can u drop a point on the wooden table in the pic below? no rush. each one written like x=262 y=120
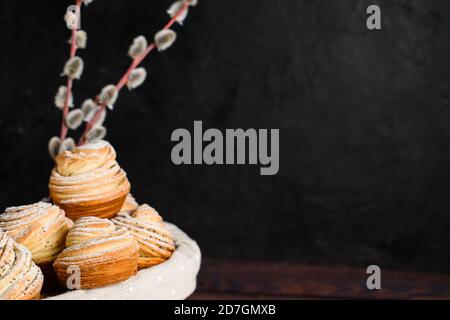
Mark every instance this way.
x=258 y=280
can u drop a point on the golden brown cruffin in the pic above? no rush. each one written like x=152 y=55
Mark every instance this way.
x=88 y=181
x=156 y=244
x=130 y=205
x=100 y=253
x=20 y=278
x=41 y=227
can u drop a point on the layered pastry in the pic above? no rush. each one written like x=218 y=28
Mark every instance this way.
x=156 y=244
x=20 y=278
x=88 y=181
x=130 y=205
x=41 y=227
x=98 y=253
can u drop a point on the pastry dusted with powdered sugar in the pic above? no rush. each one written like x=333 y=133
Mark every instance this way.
x=88 y=181
x=20 y=278
x=130 y=205
x=98 y=253
x=156 y=244
x=41 y=227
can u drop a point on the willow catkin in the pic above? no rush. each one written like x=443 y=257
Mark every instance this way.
x=137 y=77
x=164 y=39
x=73 y=68
x=96 y=133
x=175 y=8
x=192 y=3
x=81 y=39
x=60 y=97
x=108 y=96
x=74 y=119
x=87 y=2
x=138 y=47
x=53 y=146
x=89 y=107
x=67 y=145
x=71 y=19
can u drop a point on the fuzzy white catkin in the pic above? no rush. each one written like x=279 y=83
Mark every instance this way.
x=101 y=118
x=67 y=145
x=138 y=47
x=53 y=146
x=136 y=78
x=74 y=119
x=71 y=19
x=175 y=9
x=60 y=97
x=108 y=96
x=88 y=107
x=81 y=39
x=74 y=68
x=192 y=3
x=96 y=133
x=164 y=39
x=87 y=2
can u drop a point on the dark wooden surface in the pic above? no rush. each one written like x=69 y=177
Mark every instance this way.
x=258 y=280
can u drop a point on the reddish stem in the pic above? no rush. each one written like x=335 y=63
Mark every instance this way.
x=123 y=81
x=73 y=51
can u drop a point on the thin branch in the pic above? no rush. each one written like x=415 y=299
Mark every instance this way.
x=73 y=51
x=123 y=81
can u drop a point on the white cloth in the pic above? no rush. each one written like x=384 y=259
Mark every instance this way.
x=175 y=279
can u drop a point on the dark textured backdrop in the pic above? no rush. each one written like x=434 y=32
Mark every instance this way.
x=364 y=119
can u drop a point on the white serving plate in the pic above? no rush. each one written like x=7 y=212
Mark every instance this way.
x=175 y=279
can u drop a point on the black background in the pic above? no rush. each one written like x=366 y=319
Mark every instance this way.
x=364 y=119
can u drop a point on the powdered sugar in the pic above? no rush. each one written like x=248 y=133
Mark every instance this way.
x=95 y=145
x=99 y=178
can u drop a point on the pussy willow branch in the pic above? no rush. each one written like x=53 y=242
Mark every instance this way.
x=73 y=52
x=123 y=81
